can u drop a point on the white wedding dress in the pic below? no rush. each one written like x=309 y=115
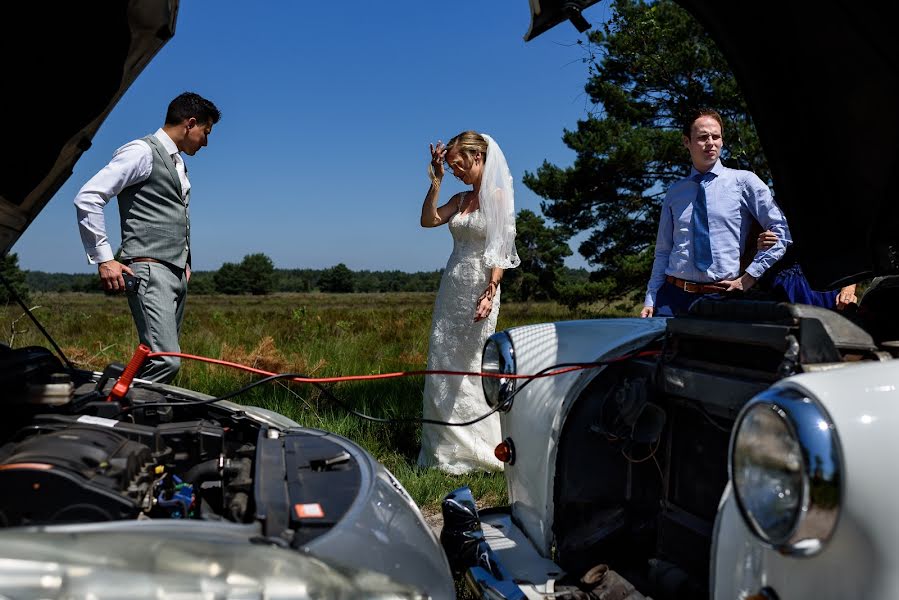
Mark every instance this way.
x=456 y=344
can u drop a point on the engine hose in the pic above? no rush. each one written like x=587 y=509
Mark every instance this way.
x=204 y=471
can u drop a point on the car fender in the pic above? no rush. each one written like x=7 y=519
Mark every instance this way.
x=861 y=560
x=538 y=411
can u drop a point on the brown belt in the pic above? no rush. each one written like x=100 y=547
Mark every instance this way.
x=693 y=287
x=141 y=259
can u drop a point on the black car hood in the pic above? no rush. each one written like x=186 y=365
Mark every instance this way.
x=822 y=83
x=65 y=65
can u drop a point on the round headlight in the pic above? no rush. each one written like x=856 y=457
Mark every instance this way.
x=768 y=472
x=499 y=358
x=786 y=471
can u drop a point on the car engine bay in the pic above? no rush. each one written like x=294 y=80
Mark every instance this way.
x=71 y=453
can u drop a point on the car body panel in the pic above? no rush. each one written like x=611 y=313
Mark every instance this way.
x=515 y=551
x=384 y=531
x=79 y=63
x=539 y=410
x=534 y=574
x=140 y=560
x=861 y=559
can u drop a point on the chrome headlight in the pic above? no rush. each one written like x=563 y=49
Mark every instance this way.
x=498 y=357
x=787 y=471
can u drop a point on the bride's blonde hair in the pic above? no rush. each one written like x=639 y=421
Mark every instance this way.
x=468 y=143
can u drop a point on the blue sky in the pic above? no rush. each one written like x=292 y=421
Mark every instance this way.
x=328 y=108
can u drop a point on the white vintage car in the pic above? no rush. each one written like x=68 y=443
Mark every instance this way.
x=743 y=451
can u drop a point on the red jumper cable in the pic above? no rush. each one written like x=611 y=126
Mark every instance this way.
x=143 y=352
x=124 y=382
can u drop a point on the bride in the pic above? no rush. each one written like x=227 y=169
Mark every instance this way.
x=482 y=223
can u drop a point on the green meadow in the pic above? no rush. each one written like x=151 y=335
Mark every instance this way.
x=321 y=335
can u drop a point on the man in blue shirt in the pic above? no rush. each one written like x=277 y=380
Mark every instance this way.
x=705 y=224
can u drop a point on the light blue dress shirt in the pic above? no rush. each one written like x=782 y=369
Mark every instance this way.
x=734 y=198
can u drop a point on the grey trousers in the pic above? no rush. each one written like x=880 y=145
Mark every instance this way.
x=158 y=310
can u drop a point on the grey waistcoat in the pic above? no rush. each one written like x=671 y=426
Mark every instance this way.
x=155 y=221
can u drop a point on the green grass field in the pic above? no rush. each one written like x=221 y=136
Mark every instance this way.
x=316 y=334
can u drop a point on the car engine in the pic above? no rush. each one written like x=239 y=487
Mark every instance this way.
x=69 y=453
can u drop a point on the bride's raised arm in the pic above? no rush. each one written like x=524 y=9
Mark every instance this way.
x=431 y=215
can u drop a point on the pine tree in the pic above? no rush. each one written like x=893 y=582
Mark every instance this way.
x=15 y=278
x=542 y=250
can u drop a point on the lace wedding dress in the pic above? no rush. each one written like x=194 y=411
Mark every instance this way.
x=456 y=344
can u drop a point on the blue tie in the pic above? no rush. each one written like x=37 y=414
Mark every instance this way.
x=702 y=246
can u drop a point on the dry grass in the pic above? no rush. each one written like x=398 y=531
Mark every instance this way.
x=267 y=357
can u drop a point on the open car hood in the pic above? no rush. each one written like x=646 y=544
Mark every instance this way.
x=822 y=84
x=65 y=66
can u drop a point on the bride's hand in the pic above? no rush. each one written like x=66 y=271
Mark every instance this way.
x=438 y=152
x=485 y=305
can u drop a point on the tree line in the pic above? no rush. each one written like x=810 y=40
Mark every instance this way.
x=541 y=276
x=249 y=278
x=337 y=279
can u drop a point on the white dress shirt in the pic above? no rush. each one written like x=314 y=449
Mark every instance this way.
x=130 y=164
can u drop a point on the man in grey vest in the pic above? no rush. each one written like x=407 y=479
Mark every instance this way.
x=150 y=179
